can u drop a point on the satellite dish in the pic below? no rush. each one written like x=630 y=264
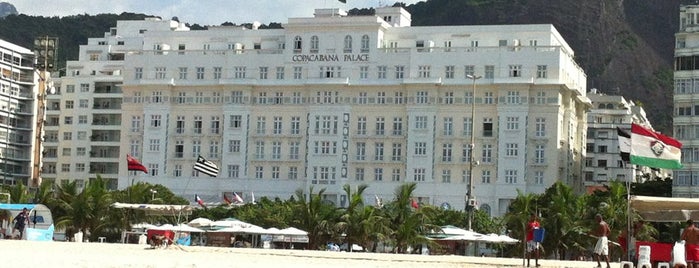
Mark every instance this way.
x=52 y=90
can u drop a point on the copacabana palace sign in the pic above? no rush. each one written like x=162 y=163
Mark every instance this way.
x=329 y=57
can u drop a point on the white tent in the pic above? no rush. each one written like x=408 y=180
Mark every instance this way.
x=665 y=209
x=230 y=222
x=497 y=239
x=293 y=231
x=178 y=228
x=200 y=222
x=450 y=232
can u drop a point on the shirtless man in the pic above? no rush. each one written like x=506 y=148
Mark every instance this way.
x=691 y=237
x=602 y=246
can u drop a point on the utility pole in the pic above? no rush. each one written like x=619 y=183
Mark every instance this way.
x=470 y=200
x=45 y=49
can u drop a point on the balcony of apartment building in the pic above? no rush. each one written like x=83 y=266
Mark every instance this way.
x=108 y=88
x=98 y=167
x=103 y=104
x=107 y=120
x=105 y=136
x=104 y=152
x=21 y=123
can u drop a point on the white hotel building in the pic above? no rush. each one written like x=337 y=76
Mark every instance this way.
x=335 y=99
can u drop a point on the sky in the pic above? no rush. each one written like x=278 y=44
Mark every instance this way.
x=203 y=12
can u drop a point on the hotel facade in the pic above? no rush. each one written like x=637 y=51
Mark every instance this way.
x=333 y=99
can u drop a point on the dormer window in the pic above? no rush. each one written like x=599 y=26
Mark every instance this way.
x=298 y=44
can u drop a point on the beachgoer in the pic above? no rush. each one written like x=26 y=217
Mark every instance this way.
x=602 y=246
x=532 y=245
x=20 y=221
x=626 y=242
x=690 y=235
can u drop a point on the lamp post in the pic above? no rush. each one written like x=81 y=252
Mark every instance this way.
x=152 y=194
x=470 y=201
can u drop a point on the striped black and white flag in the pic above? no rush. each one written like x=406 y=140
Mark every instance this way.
x=624 y=144
x=207 y=167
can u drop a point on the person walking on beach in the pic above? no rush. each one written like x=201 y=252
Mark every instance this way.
x=21 y=220
x=532 y=245
x=602 y=246
x=690 y=235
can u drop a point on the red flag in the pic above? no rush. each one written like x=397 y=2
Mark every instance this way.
x=133 y=164
x=225 y=199
x=198 y=199
x=414 y=203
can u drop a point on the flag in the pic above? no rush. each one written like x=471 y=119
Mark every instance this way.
x=198 y=199
x=225 y=199
x=205 y=166
x=652 y=149
x=624 y=144
x=237 y=198
x=414 y=204
x=252 y=197
x=133 y=164
x=343 y=1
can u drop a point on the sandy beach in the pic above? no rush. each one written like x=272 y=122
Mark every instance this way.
x=65 y=254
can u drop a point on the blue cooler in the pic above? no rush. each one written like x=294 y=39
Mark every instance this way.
x=539 y=234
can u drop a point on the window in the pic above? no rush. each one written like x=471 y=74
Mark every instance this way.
x=539 y=156
x=277 y=125
x=381 y=97
x=469 y=70
x=239 y=72
x=197 y=124
x=488 y=98
x=395 y=174
x=378 y=151
x=298 y=72
x=137 y=74
x=466 y=153
x=80 y=167
x=68 y=120
x=400 y=71
x=446 y=152
x=280 y=73
x=276 y=150
x=196 y=148
x=364 y=44
x=326 y=125
x=70 y=88
x=378 y=174
x=82 y=135
x=215 y=124
x=363 y=98
x=359 y=174
x=422 y=97
x=420 y=122
x=330 y=71
x=160 y=72
x=361 y=151
x=84 y=87
x=348 y=44
x=200 y=73
x=261 y=125
x=449 y=72
x=515 y=70
x=446 y=176
x=381 y=72
x=511 y=176
x=541 y=71
x=135 y=123
x=66 y=152
x=538 y=177
x=419 y=174
x=295 y=125
x=380 y=130
x=69 y=104
x=217 y=72
x=448 y=98
x=293 y=173
x=448 y=126
x=80 y=151
x=294 y=148
x=512 y=123
x=154 y=145
x=513 y=97
x=275 y=172
x=485 y=176
x=397 y=152
x=361 y=125
x=65 y=167
x=259 y=150
x=263 y=73
x=179 y=149
x=511 y=149
x=540 y=128
x=420 y=148
x=259 y=172
x=397 y=126
x=398 y=98
x=423 y=71
x=155 y=120
x=234 y=171
x=487 y=153
x=489 y=72
x=314 y=44
x=234 y=146
x=487 y=127
x=468 y=127
x=298 y=44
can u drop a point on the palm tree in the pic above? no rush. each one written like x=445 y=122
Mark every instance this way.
x=408 y=227
x=564 y=220
x=518 y=215
x=315 y=216
x=83 y=210
x=353 y=222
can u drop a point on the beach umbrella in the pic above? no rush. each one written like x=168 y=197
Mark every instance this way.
x=199 y=222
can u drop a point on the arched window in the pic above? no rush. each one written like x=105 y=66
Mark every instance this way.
x=314 y=44
x=610 y=106
x=485 y=208
x=298 y=43
x=348 y=44
x=365 y=44
x=601 y=105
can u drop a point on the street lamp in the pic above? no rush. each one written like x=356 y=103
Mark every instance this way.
x=152 y=194
x=470 y=200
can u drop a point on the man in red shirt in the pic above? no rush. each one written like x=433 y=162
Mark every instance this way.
x=532 y=245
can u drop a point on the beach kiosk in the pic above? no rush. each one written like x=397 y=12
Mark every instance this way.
x=40 y=226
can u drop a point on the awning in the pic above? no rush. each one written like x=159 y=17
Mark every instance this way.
x=665 y=209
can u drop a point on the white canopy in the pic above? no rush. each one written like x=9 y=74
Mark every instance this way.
x=498 y=239
x=199 y=222
x=252 y=229
x=154 y=207
x=456 y=233
x=178 y=228
x=665 y=209
x=230 y=222
x=292 y=231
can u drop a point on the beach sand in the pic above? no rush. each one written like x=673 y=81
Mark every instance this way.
x=17 y=253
